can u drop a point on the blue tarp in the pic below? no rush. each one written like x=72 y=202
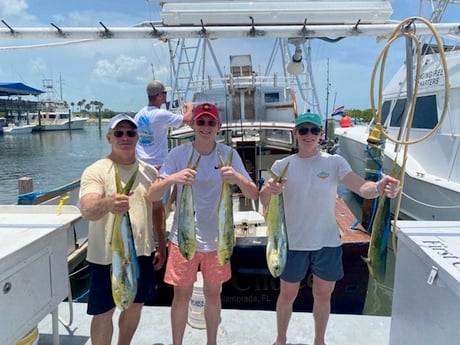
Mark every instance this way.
x=16 y=89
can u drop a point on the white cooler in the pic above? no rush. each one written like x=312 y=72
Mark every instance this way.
x=33 y=268
x=426 y=297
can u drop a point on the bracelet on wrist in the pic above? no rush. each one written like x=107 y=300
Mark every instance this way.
x=376 y=188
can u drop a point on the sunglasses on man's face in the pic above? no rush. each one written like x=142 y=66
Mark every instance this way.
x=209 y=123
x=305 y=130
x=130 y=133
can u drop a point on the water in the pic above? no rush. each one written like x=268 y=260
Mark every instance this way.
x=56 y=158
x=51 y=159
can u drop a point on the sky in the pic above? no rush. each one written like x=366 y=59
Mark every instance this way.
x=116 y=72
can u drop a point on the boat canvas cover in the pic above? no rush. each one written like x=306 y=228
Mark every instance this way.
x=13 y=89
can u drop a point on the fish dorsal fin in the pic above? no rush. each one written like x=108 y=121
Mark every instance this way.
x=128 y=185
x=279 y=177
x=221 y=158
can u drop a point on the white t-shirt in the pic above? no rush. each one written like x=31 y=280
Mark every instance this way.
x=153 y=124
x=206 y=189
x=310 y=199
x=100 y=178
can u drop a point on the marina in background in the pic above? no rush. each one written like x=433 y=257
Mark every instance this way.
x=25 y=112
x=51 y=159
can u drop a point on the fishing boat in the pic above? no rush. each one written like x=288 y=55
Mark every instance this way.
x=258 y=109
x=432 y=162
x=54 y=115
x=13 y=129
x=257 y=114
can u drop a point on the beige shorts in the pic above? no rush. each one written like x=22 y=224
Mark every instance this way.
x=181 y=272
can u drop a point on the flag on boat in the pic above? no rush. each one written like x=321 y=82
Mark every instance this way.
x=338 y=110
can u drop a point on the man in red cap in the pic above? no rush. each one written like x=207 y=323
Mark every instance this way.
x=206 y=181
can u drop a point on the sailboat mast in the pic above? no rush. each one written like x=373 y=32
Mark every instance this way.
x=328 y=84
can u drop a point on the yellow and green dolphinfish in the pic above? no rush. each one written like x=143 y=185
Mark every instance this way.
x=186 y=221
x=377 y=253
x=125 y=268
x=277 y=241
x=225 y=230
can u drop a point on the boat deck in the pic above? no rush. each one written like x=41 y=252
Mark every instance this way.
x=238 y=327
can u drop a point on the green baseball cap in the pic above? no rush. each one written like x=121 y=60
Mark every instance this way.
x=309 y=117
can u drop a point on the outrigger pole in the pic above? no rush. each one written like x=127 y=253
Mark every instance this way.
x=155 y=30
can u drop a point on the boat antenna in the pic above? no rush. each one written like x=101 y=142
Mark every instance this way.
x=328 y=84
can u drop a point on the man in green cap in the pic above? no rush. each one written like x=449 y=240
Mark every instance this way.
x=309 y=191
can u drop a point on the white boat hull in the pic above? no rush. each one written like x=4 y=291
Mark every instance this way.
x=74 y=124
x=13 y=130
x=425 y=196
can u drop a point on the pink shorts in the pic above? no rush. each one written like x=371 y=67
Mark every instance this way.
x=180 y=272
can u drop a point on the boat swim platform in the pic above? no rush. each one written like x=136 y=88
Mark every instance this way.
x=237 y=327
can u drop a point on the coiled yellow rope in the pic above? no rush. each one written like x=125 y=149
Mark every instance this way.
x=406 y=29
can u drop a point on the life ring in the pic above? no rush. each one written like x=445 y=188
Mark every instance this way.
x=294 y=103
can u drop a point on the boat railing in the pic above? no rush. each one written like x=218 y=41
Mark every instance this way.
x=35 y=198
x=241 y=82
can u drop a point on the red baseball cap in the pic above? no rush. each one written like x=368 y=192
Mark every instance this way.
x=206 y=109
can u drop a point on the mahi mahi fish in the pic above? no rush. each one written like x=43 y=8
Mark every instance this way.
x=125 y=268
x=225 y=231
x=277 y=242
x=186 y=222
x=377 y=253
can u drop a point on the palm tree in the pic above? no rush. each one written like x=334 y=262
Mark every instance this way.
x=80 y=104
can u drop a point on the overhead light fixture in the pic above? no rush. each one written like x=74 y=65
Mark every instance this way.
x=295 y=66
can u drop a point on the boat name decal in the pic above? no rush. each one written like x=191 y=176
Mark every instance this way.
x=430 y=78
x=442 y=249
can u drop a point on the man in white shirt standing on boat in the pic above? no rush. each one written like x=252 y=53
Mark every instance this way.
x=153 y=123
x=206 y=181
x=309 y=190
x=100 y=201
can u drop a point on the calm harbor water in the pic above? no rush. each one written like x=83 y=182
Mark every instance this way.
x=52 y=159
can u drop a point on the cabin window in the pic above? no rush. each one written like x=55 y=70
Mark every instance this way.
x=425 y=114
x=385 y=111
x=279 y=135
x=398 y=112
x=272 y=97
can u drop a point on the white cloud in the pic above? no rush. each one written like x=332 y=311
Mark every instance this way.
x=125 y=69
x=13 y=7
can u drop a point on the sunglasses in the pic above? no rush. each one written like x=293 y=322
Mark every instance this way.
x=209 y=123
x=305 y=130
x=130 y=133
x=164 y=93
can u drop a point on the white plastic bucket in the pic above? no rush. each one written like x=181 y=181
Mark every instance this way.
x=196 y=305
x=30 y=338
